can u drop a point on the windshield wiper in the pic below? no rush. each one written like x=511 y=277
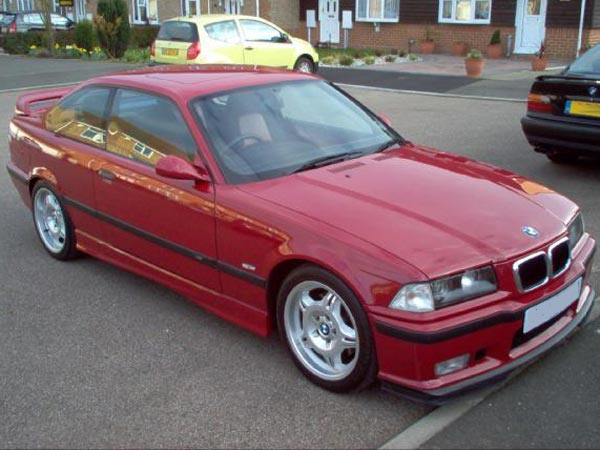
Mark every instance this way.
x=388 y=144
x=325 y=160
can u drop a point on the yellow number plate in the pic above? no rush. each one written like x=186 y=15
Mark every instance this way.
x=170 y=51
x=587 y=109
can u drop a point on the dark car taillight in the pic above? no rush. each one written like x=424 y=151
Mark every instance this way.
x=539 y=103
x=153 y=49
x=193 y=50
x=12 y=28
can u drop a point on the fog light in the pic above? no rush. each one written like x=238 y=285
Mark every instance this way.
x=451 y=365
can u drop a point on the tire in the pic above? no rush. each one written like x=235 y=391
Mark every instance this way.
x=562 y=158
x=305 y=65
x=52 y=222
x=326 y=330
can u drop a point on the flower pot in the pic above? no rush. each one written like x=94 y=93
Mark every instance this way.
x=494 y=51
x=426 y=47
x=459 y=48
x=474 y=67
x=538 y=64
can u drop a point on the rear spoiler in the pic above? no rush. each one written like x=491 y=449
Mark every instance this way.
x=39 y=100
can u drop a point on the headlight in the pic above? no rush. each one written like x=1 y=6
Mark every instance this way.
x=423 y=297
x=576 y=229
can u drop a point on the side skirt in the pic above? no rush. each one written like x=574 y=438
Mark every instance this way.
x=226 y=307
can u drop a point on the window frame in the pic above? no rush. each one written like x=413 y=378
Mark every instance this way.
x=245 y=38
x=235 y=25
x=471 y=21
x=375 y=20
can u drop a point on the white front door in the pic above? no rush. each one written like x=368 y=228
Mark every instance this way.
x=329 y=21
x=531 y=25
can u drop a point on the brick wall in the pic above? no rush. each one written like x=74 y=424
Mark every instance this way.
x=285 y=14
x=561 y=42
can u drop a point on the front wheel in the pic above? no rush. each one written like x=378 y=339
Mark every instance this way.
x=326 y=330
x=304 y=65
x=52 y=222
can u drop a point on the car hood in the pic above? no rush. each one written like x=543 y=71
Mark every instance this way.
x=438 y=212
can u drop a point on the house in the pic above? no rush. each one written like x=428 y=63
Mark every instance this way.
x=564 y=25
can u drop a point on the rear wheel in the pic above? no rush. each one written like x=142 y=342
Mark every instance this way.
x=562 y=157
x=326 y=330
x=305 y=65
x=52 y=222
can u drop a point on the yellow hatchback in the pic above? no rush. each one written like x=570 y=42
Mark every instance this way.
x=231 y=39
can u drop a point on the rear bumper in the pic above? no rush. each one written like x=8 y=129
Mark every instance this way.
x=493 y=340
x=548 y=135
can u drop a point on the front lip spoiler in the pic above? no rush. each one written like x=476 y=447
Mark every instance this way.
x=444 y=394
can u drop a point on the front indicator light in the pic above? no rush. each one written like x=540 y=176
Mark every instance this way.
x=414 y=298
x=451 y=365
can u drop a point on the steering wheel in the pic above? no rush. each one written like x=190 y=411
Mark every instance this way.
x=238 y=140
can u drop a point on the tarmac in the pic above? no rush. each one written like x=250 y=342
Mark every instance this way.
x=508 y=79
x=528 y=410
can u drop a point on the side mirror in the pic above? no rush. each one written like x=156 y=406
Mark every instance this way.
x=174 y=167
x=385 y=119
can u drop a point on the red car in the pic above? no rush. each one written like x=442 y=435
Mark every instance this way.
x=273 y=199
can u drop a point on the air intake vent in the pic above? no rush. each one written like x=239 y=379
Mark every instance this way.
x=560 y=256
x=531 y=272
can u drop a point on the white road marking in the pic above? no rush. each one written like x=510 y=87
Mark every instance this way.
x=40 y=86
x=434 y=94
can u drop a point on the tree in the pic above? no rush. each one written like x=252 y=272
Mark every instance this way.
x=46 y=7
x=112 y=24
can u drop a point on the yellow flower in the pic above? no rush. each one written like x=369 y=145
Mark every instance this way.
x=57 y=45
x=68 y=47
x=32 y=47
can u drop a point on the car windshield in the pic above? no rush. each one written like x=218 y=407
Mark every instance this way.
x=587 y=65
x=273 y=130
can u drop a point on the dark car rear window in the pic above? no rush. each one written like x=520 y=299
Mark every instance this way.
x=175 y=30
x=588 y=64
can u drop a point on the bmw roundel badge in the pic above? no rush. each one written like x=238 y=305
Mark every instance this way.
x=530 y=231
x=593 y=90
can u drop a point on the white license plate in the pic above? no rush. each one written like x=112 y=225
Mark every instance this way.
x=543 y=312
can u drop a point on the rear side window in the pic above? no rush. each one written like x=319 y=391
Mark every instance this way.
x=259 y=31
x=223 y=31
x=175 y=30
x=80 y=116
x=146 y=127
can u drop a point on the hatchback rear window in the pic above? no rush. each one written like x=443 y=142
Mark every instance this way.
x=178 y=31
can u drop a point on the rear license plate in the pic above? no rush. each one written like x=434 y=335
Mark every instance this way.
x=586 y=109
x=170 y=51
x=543 y=312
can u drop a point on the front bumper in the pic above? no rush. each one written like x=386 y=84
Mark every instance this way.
x=492 y=337
x=550 y=134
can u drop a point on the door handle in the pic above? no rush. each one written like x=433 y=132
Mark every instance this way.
x=106 y=174
x=248 y=48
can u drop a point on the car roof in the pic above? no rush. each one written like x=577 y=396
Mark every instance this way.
x=210 y=18
x=188 y=81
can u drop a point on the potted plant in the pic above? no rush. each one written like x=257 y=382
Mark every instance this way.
x=459 y=48
x=539 y=60
x=474 y=63
x=427 y=45
x=494 y=49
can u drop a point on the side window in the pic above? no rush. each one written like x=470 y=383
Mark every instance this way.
x=259 y=31
x=146 y=127
x=223 y=31
x=80 y=116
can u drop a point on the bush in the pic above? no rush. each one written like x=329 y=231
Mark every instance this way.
x=346 y=60
x=85 y=36
x=19 y=43
x=137 y=55
x=495 y=40
x=112 y=25
x=63 y=37
x=142 y=36
x=378 y=52
x=402 y=54
x=328 y=60
x=369 y=60
x=394 y=51
x=390 y=58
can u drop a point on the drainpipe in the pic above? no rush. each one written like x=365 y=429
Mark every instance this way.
x=257 y=8
x=580 y=37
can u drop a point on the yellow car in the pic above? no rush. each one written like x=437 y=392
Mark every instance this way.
x=231 y=39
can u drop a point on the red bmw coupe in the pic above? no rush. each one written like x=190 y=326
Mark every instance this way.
x=274 y=199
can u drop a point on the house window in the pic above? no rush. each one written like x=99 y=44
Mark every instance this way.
x=465 y=11
x=233 y=6
x=144 y=11
x=377 y=10
x=24 y=5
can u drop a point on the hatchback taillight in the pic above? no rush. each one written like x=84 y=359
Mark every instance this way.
x=193 y=50
x=539 y=103
x=12 y=28
x=153 y=49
